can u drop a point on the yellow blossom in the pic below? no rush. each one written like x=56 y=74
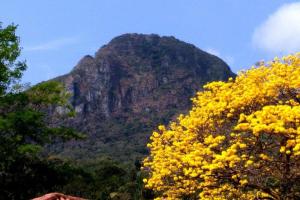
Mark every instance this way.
x=238 y=133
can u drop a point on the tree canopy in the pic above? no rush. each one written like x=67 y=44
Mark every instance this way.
x=24 y=125
x=240 y=140
x=10 y=68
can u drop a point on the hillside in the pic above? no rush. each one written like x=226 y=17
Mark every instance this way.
x=129 y=87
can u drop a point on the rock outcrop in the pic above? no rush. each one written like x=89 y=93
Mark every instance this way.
x=130 y=86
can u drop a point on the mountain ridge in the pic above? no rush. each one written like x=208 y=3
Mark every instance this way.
x=131 y=85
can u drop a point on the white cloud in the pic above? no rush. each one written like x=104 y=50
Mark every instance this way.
x=52 y=45
x=213 y=51
x=228 y=59
x=280 y=33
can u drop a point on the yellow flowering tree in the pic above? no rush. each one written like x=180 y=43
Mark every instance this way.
x=241 y=139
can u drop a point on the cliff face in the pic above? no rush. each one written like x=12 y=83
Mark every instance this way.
x=130 y=86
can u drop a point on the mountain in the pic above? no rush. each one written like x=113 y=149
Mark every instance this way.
x=131 y=85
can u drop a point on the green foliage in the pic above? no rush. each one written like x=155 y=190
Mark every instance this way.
x=23 y=124
x=25 y=128
x=10 y=69
x=107 y=179
x=49 y=93
x=28 y=177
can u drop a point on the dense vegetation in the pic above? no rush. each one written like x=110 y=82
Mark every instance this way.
x=23 y=126
x=26 y=171
x=239 y=141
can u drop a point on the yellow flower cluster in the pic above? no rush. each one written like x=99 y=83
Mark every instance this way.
x=241 y=139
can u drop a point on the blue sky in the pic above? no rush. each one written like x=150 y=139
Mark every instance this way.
x=55 y=34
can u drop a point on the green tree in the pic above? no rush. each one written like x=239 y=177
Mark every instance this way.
x=24 y=125
x=11 y=69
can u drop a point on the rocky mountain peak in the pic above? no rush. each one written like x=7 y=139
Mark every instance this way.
x=133 y=84
x=86 y=61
